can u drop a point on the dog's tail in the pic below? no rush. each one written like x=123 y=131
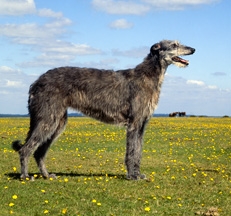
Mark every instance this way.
x=16 y=145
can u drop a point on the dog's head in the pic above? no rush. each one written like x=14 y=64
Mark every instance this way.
x=169 y=52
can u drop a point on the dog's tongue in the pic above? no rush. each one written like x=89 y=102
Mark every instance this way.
x=178 y=59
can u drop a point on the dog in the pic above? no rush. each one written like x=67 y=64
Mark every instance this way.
x=124 y=97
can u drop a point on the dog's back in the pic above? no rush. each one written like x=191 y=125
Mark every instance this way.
x=101 y=94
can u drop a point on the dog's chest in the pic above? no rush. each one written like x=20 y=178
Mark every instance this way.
x=152 y=91
x=152 y=104
x=149 y=99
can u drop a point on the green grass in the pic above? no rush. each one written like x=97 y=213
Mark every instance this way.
x=187 y=162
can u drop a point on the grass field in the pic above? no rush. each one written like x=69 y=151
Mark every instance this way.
x=187 y=162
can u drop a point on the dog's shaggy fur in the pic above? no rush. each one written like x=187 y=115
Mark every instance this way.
x=125 y=97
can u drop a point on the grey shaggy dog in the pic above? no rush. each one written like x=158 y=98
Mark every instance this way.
x=124 y=97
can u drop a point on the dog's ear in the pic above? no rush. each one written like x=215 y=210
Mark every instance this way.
x=155 y=49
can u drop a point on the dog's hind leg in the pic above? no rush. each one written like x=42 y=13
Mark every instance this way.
x=41 y=130
x=32 y=142
x=41 y=151
x=134 y=151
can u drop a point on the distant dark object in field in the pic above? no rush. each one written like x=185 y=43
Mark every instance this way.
x=180 y=114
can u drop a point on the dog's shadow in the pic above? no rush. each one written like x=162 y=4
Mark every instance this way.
x=70 y=174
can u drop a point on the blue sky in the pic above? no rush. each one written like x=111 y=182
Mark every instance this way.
x=37 y=35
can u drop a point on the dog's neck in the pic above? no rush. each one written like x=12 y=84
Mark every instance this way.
x=152 y=66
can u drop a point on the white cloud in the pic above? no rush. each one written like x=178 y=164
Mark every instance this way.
x=33 y=33
x=178 y=95
x=196 y=82
x=212 y=87
x=6 y=69
x=76 y=49
x=59 y=53
x=121 y=24
x=4 y=92
x=139 y=52
x=144 y=6
x=17 y=7
x=10 y=83
x=176 y=4
x=14 y=86
x=49 y=13
x=107 y=63
x=29 y=33
x=10 y=77
x=120 y=7
x=44 y=39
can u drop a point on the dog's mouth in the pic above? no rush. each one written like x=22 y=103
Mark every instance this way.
x=180 y=60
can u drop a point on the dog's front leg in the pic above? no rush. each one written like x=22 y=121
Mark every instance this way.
x=133 y=153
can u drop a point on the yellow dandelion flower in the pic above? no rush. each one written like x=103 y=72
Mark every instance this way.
x=15 y=169
x=14 y=196
x=46 y=201
x=46 y=212
x=147 y=209
x=66 y=180
x=64 y=211
x=43 y=191
x=11 y=204
x=94 y=201
x=98 y=204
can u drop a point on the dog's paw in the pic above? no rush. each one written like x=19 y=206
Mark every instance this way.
x=143 y=176
x=52 y=176
x=131 y=177
x=26 y=178
x=136 y=177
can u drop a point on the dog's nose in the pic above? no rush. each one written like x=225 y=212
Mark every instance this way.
x=193 y=50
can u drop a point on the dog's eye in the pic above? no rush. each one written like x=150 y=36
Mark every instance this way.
x=174 y=46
